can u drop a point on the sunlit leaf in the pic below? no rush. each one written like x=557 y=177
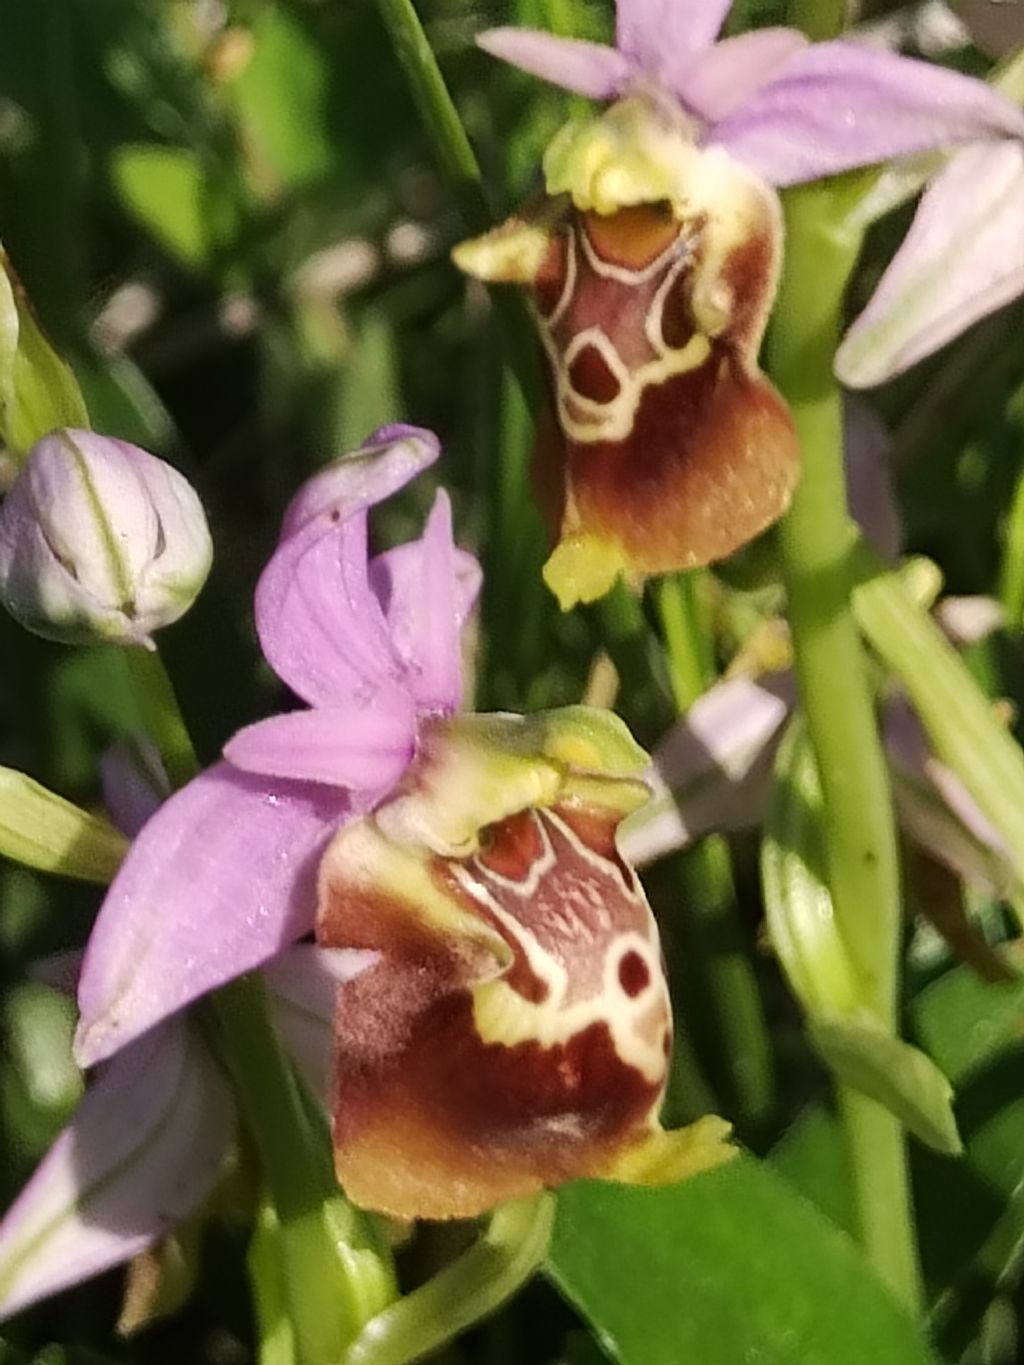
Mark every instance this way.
x=164 y=188
x=42 y=830
x=730 y=1267
x=38 y=390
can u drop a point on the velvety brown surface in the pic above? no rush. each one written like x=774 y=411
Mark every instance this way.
x=432 y=1119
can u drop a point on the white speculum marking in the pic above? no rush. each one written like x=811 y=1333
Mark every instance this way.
x=502 y=1015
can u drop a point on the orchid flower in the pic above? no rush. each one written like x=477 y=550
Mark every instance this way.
x=505 y=1025
x=109 y=1188
x=654 y=261
x=788 y=109
x=370 y=646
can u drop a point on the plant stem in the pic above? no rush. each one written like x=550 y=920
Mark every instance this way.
x=708 y=885
x=335 y=1274
x=815 y=543
x=876 y=1154
x=326 y=1309
x=455 y=156
x=161 y=714
x=497 y=1265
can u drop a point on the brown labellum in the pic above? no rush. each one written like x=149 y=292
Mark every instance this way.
x=477 y=1067
x=666 y=448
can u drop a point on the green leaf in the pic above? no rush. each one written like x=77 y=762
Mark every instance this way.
x=282 y=98
x=892 y=1072
x=954 y=711
x=164 y=188
x=727 y=1268
x=42 y=830
x=965 y=1022
x=38 y=390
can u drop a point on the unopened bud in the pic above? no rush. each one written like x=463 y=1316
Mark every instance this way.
x=100 y=541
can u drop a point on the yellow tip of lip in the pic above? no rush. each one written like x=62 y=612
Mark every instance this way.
x=583 y=568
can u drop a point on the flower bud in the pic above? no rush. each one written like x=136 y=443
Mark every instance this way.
x=100 y=541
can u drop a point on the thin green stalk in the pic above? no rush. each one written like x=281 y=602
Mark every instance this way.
x=161 y=714
x=472 y=1286
x=815 y=543
x=452 y=148
x=645 y=694
x=457 y=160
x=708 y=884
x=687 y=648
x=327 y=1308
x=1011 y=575
x=876 y=1155
x=335 y=1274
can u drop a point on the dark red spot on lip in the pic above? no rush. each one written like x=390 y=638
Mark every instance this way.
x=634 y=974
x=592 y=377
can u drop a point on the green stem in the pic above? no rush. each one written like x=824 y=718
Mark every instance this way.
x=161 y=714
x=815 y=543
x=691 y=664
x=1011 y=576
x=325 y=1311
x=455 y=156
x=474 y=1285
x=876 y=1155
x=646 y=695
x=336 y=1275
x=708 y=884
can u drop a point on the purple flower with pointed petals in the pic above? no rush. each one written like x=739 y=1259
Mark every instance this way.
x=223 y=877
x=790 y=110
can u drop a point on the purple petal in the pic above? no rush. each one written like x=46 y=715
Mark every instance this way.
x=589 y=69
x=835 y=106
x=936 y=809
x=867 y=447
x=962 y=258
x=726 y=76
x=712 y=770
x=386 y=462
x=658 y=35
x=368 y=749
x=320 y=625
x=221 y=878
x=142 y=1152
x=304 y=984
x=427 y=589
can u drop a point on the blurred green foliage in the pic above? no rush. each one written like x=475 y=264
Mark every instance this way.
x=227 y=217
